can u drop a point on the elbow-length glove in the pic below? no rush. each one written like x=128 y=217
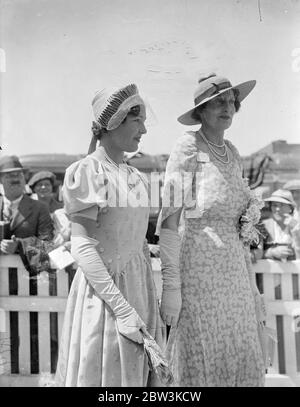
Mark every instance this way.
x=87 y=257
x=170 y=242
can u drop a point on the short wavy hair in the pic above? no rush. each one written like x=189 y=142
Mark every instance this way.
x=98 y=131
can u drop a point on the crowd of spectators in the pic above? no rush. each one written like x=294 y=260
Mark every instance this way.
x=33 y=224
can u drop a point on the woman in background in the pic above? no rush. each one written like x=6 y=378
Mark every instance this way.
x=282 y=231
x=42 y=184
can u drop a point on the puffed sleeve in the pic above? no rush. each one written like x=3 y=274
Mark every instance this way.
x=180 y=170
x=85 y=188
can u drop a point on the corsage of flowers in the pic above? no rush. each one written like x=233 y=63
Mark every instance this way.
x=247 y=231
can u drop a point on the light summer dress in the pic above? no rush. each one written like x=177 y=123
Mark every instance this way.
x=92 y=351
x=216 y=342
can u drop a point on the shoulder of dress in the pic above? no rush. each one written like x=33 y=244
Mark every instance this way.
x=233 y=148
x=235 y=152
x=186 y=143
x=188 y=138
x=134 y=170
x=231 y=145
x=91 y=163
x=183 y=156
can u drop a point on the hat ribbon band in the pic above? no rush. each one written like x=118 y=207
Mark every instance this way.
x=212 y=91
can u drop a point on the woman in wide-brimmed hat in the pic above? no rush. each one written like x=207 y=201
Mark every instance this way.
x=282 y=237
x=209 y=293
x=113 y=300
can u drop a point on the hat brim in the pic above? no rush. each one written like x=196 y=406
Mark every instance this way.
x=282 y=200
x=12 y=170
x=292 y=186
x=244 y=89
x=35 y=181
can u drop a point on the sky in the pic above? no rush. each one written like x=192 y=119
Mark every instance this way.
x=55 y=54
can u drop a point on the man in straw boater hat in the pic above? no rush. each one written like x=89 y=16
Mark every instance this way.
x=23 y=216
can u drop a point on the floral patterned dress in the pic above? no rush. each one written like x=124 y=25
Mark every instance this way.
x=216 y=341
x=92 y=351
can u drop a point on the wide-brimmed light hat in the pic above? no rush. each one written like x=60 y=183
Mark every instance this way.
x=210 y=87
x=10 y=163
x=283 y=196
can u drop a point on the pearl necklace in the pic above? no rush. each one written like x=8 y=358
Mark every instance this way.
x=214 y=152
x=213 y=144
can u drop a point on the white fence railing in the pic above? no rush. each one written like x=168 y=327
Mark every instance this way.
x=32 y=310
x=280 y=283
x=32 y=313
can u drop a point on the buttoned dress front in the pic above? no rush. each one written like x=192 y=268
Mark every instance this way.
x=92 y=351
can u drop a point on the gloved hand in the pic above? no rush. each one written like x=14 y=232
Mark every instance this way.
x=170 y=242
x=170 y=306
x=128 y=321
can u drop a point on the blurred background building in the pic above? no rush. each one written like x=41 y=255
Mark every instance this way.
x=267 y=169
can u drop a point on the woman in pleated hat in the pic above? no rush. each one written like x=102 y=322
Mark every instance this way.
x=113 y=303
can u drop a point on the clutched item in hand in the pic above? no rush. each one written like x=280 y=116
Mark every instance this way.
x=268 y=339
x=157 y=360
x=60 y=258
